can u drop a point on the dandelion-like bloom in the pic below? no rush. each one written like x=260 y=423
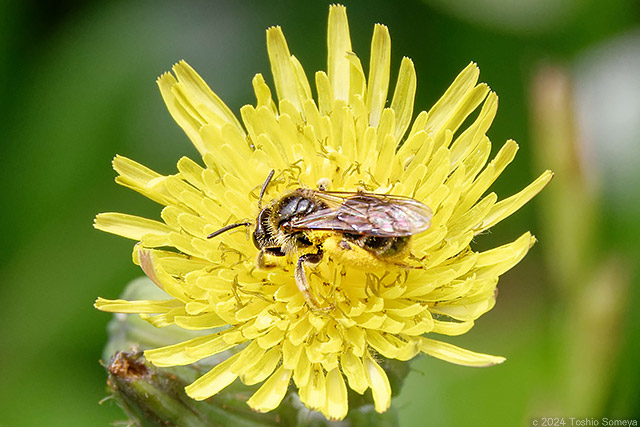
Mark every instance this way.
x=349 y=139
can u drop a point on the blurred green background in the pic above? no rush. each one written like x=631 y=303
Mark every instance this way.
x=78 y=87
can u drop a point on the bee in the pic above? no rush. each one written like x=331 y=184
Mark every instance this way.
x=363 y=230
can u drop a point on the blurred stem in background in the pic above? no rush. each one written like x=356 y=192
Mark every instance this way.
x=590 y=282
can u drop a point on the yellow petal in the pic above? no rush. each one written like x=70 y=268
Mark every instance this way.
x=467 y=142
x=355 y=336
x=191 y=125
x=452 y=328
x=506 y=207
x=404 y=96
x=213 y=381
x=193 y=104
x=284 y=74
x=379 y=383
x=262 y=367
x=200 y=321
x=142 y=306
x=339 y=45
x=354 y=371
x=325 y=95
x=493 y=262
x=140 y=178
x=271 y=393
x=314 y=393
x=449 y=103
x=263 y=94
x=191 y=171
x=302 y=370
x=379 y=66
x=304 y=90
x=129 y=226
x=337 y=404
x=357 y=86
x=457 y=355
x=207 y=103
x=300 y=331
x=291 y=354
x=392 y=347
x=155 y=271
x=506 y=154
x=248 y=357
x=189 y=351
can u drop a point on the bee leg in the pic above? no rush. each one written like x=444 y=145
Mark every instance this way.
x=408 y=266
x=262 y=263
x=261 y=260
x=303 y=283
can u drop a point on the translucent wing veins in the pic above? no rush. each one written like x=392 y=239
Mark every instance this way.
x=367 y=214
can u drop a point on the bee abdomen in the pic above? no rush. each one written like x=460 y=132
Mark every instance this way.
x=382 y=247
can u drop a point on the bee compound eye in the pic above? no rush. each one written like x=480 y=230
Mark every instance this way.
x=256 y=238
x=261 y=232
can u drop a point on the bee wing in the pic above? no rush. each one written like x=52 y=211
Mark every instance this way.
x=367 y=214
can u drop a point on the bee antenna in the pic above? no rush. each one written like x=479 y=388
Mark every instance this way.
x=227 y=228
x=264 y=187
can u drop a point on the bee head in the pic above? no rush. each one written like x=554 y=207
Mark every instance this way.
x=262 y=234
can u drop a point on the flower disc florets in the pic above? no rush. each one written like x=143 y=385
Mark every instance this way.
x=350 y=138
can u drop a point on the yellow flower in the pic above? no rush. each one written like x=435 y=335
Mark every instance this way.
x=350 y=138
